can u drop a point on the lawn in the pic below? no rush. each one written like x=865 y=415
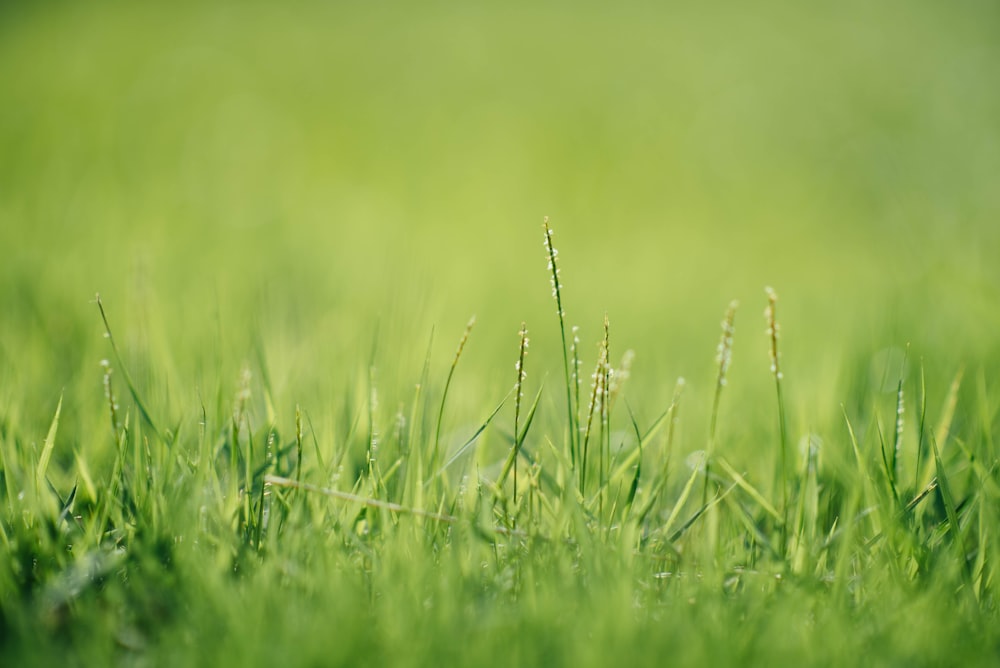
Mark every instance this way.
x=389 y=334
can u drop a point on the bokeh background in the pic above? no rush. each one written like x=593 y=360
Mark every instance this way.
x=307 y=183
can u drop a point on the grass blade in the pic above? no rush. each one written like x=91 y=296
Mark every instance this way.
x=742 y=483
x=475 y=436
x=519 y=441
x=447 y=385
x=50 y=444
x=944 y=488
x=140 y=404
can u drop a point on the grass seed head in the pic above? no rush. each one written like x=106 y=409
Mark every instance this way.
x=724 y=351
x=551 y=254
x=773 y=331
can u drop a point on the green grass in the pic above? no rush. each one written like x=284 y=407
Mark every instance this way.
x=262 y=445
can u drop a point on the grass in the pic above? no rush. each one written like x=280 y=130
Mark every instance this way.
x=220 y=533
x=261 y=445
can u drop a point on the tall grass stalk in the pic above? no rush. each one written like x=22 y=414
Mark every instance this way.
x=598 y=393
x=140 y=404
x=575 y=355
x=723 y=357
x=605 y=452
x=518 y=398
x=572 y=413
x=897 y=440
x=773 y=333
x=435 y=454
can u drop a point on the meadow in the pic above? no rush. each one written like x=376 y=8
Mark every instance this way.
x=390 y=334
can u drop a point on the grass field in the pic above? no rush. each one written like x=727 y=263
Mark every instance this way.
x=259 y=446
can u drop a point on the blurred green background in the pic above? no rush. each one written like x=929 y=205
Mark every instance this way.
x=315 y=180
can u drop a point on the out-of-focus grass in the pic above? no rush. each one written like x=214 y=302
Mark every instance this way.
x=302 y=189
x=355 y=156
